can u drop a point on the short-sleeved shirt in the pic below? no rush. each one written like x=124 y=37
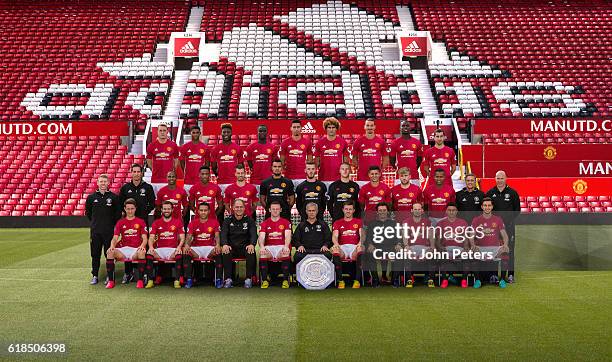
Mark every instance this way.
x=227 y=157
x=178 y=198
x=208 y=194
x=162 y=156
x=275 y=230
x=130 y=231
x=247 y=193
x=370 y=152
x=369 y=195
x=168 y=232
x=295 y=153
x=437 y=199
x=261 y=155
x=203 y=232
x=453 y=232
x=442 y=158
x=194 y=155
x=406 y=152
x=404 y=198
x=331 y=155
x=417 y=230
x=348 y=231
x=491 y=229
x=277 y=189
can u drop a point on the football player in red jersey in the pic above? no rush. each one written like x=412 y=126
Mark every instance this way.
x=129 y=243
x=194 y=154
x=274 y=244
x=203 y=241
x=437 y=197
x=175 y=194
x=419 y=239
x=166 y=240
x=206 y=192
x=407 y=151
x=404 y=195
x=162 y=156
x=440 y=157
x=493 y=241
x=369 y=150
x=241 y=190
x=348 y=238
x=294 y=152
x=453 y=237
x=330 y=152
x=372 y=193
x=225 y=157
x=259 y=155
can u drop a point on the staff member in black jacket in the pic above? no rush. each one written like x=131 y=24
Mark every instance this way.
x=374 y=231
x=103 y=209
x=469 y=200
x=238 y=237
x=507 y=205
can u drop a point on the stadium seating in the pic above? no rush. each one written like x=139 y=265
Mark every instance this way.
x=547 y=138
x=574 y=204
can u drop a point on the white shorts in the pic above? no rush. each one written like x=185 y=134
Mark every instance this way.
x=203 y=251
x=128 y=252
x=348 y=250
x=297 y=181
x=164 y=253
x=489 y=249
x=275 y=250
x=414 y=181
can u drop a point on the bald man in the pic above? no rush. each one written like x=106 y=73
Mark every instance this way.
x=507 y=205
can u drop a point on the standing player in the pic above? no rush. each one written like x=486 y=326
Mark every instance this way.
x=166 y=243
x=208 y=193
x=243 y=191
x=469 y=199
x=194 y=154
x=369 y=150
x=311 y=190
x=341 y=191
x=226 y=157
x=437 y=196
x=440 y=157
x=493 y=240
x=373 y=193
x=294 y=152
x=404 y=195
x=103 y=210
x=330 y=152
x=407 y=151
x=348 y=238
x=238 y=239
x=275 y=244
x=202 y=242
x=260 y=155
x=176 y=195
x=162 y=156
x=129 y=243
x=277 y=188
x=419 y=239
x=452 y=237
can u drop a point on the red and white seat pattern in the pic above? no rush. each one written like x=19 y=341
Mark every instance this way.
x=574 y=204
x=547 y=138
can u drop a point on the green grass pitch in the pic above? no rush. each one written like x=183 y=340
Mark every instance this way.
x=559 y=309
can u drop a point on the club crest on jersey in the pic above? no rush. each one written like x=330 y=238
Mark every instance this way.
x=446 y=194
x=411 y=194
x=283 y=184
x=233 y=152
x=211 y=192
x=318 y=188
x=337 y=145
x=178 y=196
x=281 y=227
x=172 y=227
x=168 y=148
x=302 y=146
x=210 y=229
x=381 y=192
x=351 y=190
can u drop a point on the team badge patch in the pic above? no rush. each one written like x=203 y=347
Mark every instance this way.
x=211 y=192
x=446 y=154
x=233 y=152
x=283 y=184
x=338 y=145
x=413 y=145
x=178 y=196
x=381 y=192
x=550 y=153
x=302 y=146
x=282 y=227
x=202 y=151
x=172 y=227
x=351 y=190
x=168 y=148
x=318 y=188
x=580 y=186
x=210 y=229
x=356 y=226
x=248 y=193
x=137 y=226
x=411 y=194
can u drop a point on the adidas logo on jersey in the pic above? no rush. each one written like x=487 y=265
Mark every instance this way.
x=187 y=48
x=308 y=128
x=412 y=47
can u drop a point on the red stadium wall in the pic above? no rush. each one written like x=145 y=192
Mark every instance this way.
x=543 y=152
x=543 y=168
x=566 y=186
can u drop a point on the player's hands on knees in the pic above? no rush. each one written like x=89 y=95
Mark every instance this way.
x=504 y=249
x=301 y=249
x=336 y=248
x=286 y=250
x=178 y=251
x=226 y=249
x=371 y=248
x=217 y=250
x=250 y=249
x=186 y=249
x=110 y=251
x=150 y=252
x=141 y=249
x=359 y=248
x=324 y=249
x=399 y=247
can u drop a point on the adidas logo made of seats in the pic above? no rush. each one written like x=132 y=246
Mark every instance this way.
x=187 y=48
x=413 y=47
x=308 y=128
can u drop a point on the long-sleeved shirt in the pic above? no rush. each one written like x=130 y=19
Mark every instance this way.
x=144 y=196
x=103 y=210
x=506 y=204
x=308 y=192
x=312 y=236
x=340 y=192
x=238 y=232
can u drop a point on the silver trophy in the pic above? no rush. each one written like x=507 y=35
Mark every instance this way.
x=315 y=272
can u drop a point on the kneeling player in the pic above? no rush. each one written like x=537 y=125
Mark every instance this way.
x=129 y=243
x=166 y=243
x=202 y=242
x=451 y=239
x=275 y=244
x=420 y=241
x=347 y=237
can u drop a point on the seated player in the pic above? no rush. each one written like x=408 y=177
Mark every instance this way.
x=493 y=240
x=347 y=237
x=420 y=239
x=202 y=242
x=382 y=221
x=452 y=237
x=275 y=244
x=238 y=237
x=166 y=240
x=129 y=243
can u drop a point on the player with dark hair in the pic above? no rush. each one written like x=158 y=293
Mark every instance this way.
x=341 y=191
x=175 y=195
x=330 y=151
x=243 y=191
x=383 y=220
x=274 y=244
x=453 y=236
x=437 y=196
x=469 y=199
x=225 y=157
x=208 y=193
x=372 y=193
x=202 y=241
x=162 y=156
x=419 y=239
x=260 y=155
x=440 y=157
x=294 y=152
x=194 y=155
x=277 y=188
x=311 y=190
x=369 y=150
x=348 y=238
x=238 y=240
x=407 y=151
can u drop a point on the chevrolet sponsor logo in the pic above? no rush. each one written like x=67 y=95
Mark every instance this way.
x=407 y=153
x=369 y=151
x=296 y=152
x=439 y=161
x=349 y=232
x=227 y=158
x=403 y=200
x=344 y=195
x=375 y=199
x=262 y=156
x=195 y=157
x=312 y=194
x=163 y=155
x=275 y=234
x=276 y=190
x=438 y=200
x=130 y=232
x=331 y=152
x=204 y=236
x=166 y=234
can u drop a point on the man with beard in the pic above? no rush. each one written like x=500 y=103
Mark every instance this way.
x=311 y=190
x=277 y=188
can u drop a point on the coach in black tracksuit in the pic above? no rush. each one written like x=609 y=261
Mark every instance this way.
x=507 y=205
x=238 y=239
x=140 y=191
x=102 y=208
x=469 y=200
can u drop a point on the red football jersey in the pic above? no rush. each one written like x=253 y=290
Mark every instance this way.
x=440 y=158
x=437 y=199
x=262 y=156
x=404 y=198
x=406 y=153
x=203 y=232
x=295 y=153
x=226 y=157
x=491 y=228
x=370 y=195
x=418 y=231
x=178 y=198
x=370 y=152
x=208 y=193
x=130 y=231
x=348 y=231
x=275 y=230
x=195 y=156
x=451 y=229
x=167 y=232
x=331 y=154
x=162 y=156
x=247 y=193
